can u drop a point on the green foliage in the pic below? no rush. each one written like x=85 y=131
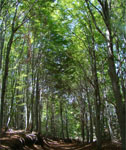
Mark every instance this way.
x=55 y=46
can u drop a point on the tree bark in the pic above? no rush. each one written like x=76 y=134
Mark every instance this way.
x=96 y=91
x=61 y=117
x=67 y=130
x=53 y=117
x=47 y=116
x=27 y=100
x=1 y=48
x=91 y=116
x=11 y=108
x=37 y=104
x=82 y=126
x=4 y=81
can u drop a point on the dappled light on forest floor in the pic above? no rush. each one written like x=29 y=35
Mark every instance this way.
x=21 y=140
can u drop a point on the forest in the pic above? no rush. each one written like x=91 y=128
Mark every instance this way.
x=63 y=74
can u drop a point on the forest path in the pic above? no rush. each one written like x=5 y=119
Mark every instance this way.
x=60 y=145
x=21 y=140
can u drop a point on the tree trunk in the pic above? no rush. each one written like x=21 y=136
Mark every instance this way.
x=91 y=116
x=32 y=107
x=61 y=117
x=40 y=112
x=52 y=117
x=82 y=126
x=37 y=104
x=33 y=92
x=96 y=92
x=27 y=100
x=4 y=80
x=11 y=108
x=87 y=129
x=1 y=48
x=67 y=131
x=82 y=105
x=47 y=116
x=120 y=104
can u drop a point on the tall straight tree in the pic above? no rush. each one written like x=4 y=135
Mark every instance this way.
x=105 y=12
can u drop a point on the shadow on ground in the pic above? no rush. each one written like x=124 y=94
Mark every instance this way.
x=21 y=140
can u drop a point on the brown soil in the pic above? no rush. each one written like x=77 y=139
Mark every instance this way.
x=21 y=140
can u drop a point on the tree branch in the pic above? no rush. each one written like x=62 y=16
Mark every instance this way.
x=25 y=17
x=96 y=8
x=93 y=18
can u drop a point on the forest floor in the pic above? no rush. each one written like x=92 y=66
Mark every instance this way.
x=21 y=140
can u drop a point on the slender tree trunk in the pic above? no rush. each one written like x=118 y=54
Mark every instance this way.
x=87 y=129
x=67 y=131
x=82 y=126
x=96 y=93
x=82 y=113
x=27 y=100
x=32 y=107
x=47 y=116
x=1 y=49
x=110 y=129
x=39 y=118
x=37 y=104
x=11 y=108
x=40 y=113
x=98 y=109
x=61 y=117
x=52 y=117
x=33 y=92
x=27 y=109
x=91 y=116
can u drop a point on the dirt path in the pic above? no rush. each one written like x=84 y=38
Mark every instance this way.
x=60 y=145
x=21 y=140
